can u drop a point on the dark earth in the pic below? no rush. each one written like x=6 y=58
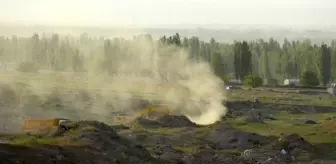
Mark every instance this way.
x=253 y=131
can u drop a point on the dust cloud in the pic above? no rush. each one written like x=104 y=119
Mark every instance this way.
x=147 y=71
x=163 y=73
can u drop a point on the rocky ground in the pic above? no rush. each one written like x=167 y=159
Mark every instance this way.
x=264 y=132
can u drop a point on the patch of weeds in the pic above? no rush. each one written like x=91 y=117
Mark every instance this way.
x=284 y=126
x=164 y=131
x=200 y=133
x=88 y=128
x=285 y=96
x=188 y=149
x=235 y=152
x=13 y=135
x=161 y=131
x=32 y=141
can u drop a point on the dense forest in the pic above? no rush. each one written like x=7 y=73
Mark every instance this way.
x=267 y=59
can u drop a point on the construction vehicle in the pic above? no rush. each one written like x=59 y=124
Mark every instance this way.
x=44 y=125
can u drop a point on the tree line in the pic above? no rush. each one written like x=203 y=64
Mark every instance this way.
x=268 y=59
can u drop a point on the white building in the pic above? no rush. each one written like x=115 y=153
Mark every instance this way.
x=332 y=89
x=294 y=82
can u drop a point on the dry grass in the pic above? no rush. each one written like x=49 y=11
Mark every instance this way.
x=329 y=126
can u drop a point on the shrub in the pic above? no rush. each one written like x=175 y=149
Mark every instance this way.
x=27 y=67
x=272 y=82
x=309 y=78
x=253 y=81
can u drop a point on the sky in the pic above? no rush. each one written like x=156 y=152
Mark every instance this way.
x=154 y=13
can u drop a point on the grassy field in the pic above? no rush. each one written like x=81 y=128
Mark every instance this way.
x=317 y=133
x=68 y=82
x=285 y=96
x=322 y=134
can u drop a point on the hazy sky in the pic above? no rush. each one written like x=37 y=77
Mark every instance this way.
x=156 y=12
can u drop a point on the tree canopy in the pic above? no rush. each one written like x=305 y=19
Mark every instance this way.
x=269 y=59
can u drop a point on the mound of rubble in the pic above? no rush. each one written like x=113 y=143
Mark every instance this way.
x=293 y=146
x=293 y=141
x=93 y=142
x=227 y=137
x=169 y=121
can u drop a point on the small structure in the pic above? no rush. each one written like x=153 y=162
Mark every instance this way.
x=332 y=89
x=229 y=87
x=293 y=82
x=42 y=125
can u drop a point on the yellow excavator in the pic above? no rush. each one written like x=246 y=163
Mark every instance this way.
x=40 y=125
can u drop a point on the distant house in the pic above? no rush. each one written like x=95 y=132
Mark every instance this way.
x=332 y=84
x=332 y=89
x=294 y=82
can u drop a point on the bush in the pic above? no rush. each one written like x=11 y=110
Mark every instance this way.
x=272 y=82
x=309 y=78
x=253 y=81
x=27 y=67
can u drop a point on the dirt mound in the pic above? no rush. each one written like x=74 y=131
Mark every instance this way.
x=168 y=153
x=304 y=121
x=293 y=110
x=175 y=121
x=144 y=122
x=239 y=105
x=93 y=142
x=170 y=121
x=329 y=125
x=254 y=117
x=294 y=145
x=226 y=137
x=211 y=157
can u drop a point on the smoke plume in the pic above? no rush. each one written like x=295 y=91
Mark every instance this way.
x=118 y=80
x=167 y=74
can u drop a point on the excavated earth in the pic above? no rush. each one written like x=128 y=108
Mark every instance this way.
x=160 y=139
x=96 y=142
x=99 y=143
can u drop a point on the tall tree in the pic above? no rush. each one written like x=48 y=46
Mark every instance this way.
x=324 y=64
x=246 y=60
x=217 y=64
x=242 y=60
x=237 y=60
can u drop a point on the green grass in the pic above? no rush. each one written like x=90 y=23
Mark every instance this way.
x=324 y=140
x=33 y=141
x=319 y=98
x=158 y=130
x=41 y=139
x=164 y=131
x=188 y=149
x=284 y=125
